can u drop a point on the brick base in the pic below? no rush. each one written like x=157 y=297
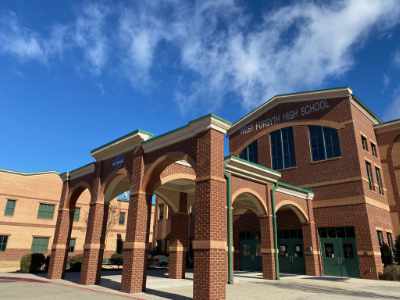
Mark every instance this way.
x=177 y=264
x=89 y=273
x=133 y=271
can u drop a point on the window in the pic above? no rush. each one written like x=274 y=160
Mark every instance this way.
x=250 y=153
x=72 y=243
x=40 y=244
x=380 y=238
x=10 y=207
x=379 y=180
x=390 y=239
x=371 y=183
x=46 y=211
x=161 y=211
x=122 y=218
x=324 y=143
x=282 y=149
x=373 y=150
x=77 y=214
x=3 y=242
x=364 y=143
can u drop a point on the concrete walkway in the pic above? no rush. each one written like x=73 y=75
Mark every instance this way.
x=247 y=286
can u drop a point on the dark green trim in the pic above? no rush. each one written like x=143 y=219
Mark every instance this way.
x=275 y=229
x=277 y=173
x=121 y=138
x=387 y=123
x=293 y=187
x=366 y=108
x=230 y=227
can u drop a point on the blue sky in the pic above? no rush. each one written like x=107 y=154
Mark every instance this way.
x=77 y=74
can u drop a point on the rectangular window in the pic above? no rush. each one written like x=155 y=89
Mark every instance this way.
x=3 y=242
x=282 y=149
x=161 y=211
x=380 y=238
x=121 y=218
x=324 y=143
x=250 y=153
x=371 y=183
x=390 y=240
x=40 y=244
x=373 y=150
x=379 y=180
x=46 y=211
x=77 y=214
x=364 y=142
x=10 y=207
x=72 y=243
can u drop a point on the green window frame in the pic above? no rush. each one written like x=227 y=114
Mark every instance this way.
x=10 y=207
x=77 y=214
x=373 y=150
x=379 y=180
x=46 y=211
x=122 y=215
x=40 y=244
x=3 y=242
x=72 y=243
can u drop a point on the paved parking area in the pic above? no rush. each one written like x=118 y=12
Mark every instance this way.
x=247 y=286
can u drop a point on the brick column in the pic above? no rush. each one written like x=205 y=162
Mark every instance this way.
x=133 y=274
x=179 y=243
x=210 y=257
x=91 y=252
x=267 y=247
x=59 y=248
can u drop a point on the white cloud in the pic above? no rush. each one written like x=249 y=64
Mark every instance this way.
x=393 y=110
x=222 y=48
x=18 y=40
x=396 y=58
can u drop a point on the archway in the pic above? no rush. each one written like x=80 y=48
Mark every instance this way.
x=248 y=209
x=290 y=221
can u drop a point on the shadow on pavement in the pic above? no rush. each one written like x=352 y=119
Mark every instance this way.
x=328 y=278
x=327 y=290
x=166 y=295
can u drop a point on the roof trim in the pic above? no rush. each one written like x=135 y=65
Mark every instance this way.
x=29 y=173
x=388 y=123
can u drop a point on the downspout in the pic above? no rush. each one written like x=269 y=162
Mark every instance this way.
x=229 y=227
x=275 y=229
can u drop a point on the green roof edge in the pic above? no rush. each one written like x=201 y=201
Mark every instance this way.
x=255 y=164
x=293 y=187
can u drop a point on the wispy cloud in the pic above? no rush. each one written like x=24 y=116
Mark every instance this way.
x=393 y=110
x=221 y=48
x=396 y=58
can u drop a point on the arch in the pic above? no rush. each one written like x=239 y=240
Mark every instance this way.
x=259 y=208
x=152 y=175
x=75 y=193
x=115 y=183
x=268 y=130
x=300 y=213
x=164 y=198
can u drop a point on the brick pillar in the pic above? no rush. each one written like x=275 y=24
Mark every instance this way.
x=59 y=248
x=312 y=253
x=179 y=243
x=134 y=253
x=210 y=257
x=267 y=247
x=92 y=247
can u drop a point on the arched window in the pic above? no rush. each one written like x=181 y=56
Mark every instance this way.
x=250 y=153
x=282 y=149
x=324 y=143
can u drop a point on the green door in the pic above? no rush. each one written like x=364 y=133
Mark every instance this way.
x=338 y=251
x=250 y=258
x=291 y=254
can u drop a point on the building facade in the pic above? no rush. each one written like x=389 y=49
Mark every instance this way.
x=28 y=213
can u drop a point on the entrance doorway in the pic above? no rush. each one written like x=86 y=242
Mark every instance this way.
x=250 y=256
x=338 y=251
x=290 y=241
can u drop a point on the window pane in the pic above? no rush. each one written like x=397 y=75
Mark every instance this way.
x=10 y=207
x=379 y=180
x=317 y=143
x=369 y=174
x=331 y=142
x=380 y=238
x=77 y=213
x=288 y=148
x=243 y=154
x=252 y=152
x=72 y=243
x=390 y=239
x=46 y=211
x=122 y=218
x=3 y=242
x=40 y=244
x=276 y=149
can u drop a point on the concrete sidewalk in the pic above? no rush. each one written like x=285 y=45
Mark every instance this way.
x=247 y=286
